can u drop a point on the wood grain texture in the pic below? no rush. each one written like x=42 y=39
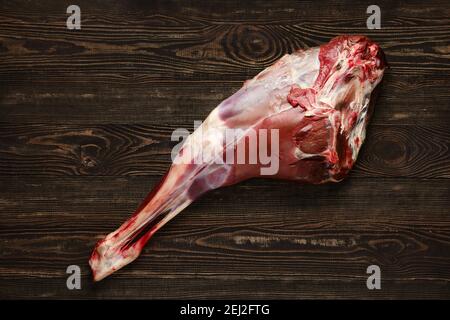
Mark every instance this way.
x=85 y=124
x=126 y=150
x=409 y=99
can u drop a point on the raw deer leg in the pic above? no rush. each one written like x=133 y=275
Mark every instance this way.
x=308 y=111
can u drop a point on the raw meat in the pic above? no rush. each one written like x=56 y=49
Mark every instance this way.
x=307 y=116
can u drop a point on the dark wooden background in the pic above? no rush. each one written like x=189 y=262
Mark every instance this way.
x=85 y=124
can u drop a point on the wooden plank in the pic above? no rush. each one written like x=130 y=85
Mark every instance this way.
x=408 y=99
x=123 y=150
x=232 y=50
x=299 y=237
x=192 y=287
x=163 y=13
